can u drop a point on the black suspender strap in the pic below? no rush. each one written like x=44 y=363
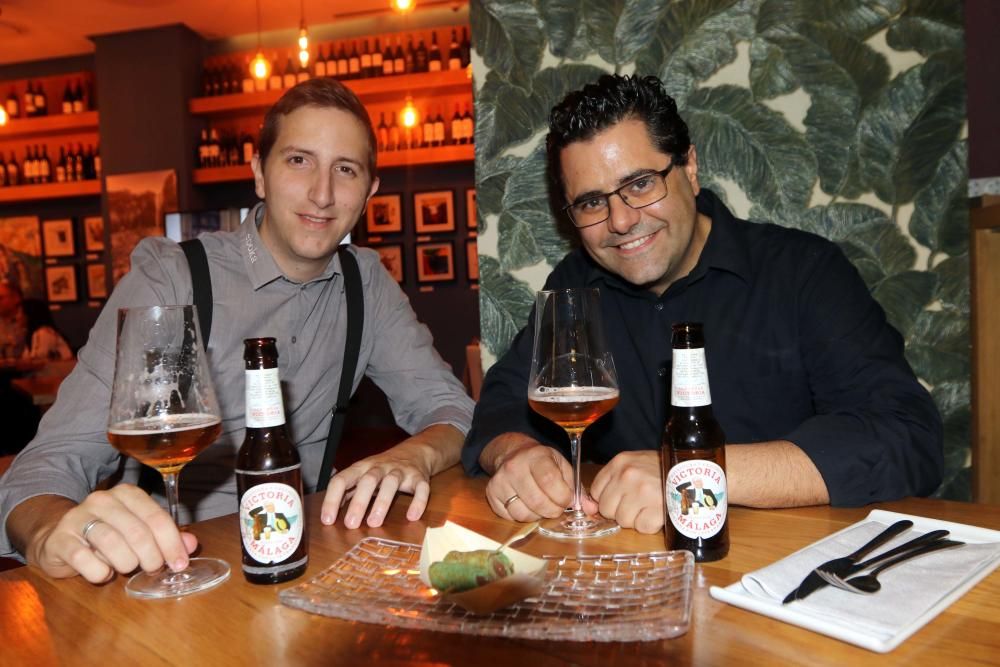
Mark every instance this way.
x=201 y=283
x=352 y=350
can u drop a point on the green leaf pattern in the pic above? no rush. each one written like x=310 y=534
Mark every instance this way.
x=878 y=163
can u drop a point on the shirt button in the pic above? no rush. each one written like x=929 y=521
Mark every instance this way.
x=662 y=372
x=658 y=306
x=294 y=339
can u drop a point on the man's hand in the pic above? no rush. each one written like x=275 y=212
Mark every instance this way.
x=628 y=489
x=540 y=477
x=406 y=468
x=131 y=531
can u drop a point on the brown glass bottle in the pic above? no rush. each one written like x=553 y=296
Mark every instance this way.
x=693 y=455
x=269 y=476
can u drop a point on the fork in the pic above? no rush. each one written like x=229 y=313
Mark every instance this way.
x=838 y=579
x=867 y=584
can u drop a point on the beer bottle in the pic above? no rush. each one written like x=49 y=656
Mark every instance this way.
x=693 y=455
x=269 y=476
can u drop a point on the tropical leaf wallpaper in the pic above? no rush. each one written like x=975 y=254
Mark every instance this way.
x=842 y=117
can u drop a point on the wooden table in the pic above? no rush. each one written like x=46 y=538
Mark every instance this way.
x=71 y=622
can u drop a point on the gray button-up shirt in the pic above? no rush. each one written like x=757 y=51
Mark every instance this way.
x=252 y=298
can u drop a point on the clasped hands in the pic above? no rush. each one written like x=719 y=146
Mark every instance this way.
x=531 y=481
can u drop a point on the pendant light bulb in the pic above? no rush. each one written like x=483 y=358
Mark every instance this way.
x=3 y=116
x=260 y=67
x=409 y=113
x=303 y=39
x=402 y=6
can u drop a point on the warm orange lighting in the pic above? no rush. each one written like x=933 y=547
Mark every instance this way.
x=468 y=71
x=260 y=67
x=303 y=39
x=304 y=57
x=409 y=114
x=402 y=6
x=3 y=116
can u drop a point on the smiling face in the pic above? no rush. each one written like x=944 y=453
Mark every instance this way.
x=649 y=247
x=315 y=185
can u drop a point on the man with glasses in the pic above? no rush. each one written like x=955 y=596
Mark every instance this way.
x=808 y=379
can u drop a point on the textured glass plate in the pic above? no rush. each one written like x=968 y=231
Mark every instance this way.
x=617 y=597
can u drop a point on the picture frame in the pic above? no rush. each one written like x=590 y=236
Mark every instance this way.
x=57 y=237
x=384 y=215
x=435 y=262
x=60 y=283
x=472 y=259
x=434 y=211
x=93 y=233
x=97 y=281
x=470 y=209
x=392 y=260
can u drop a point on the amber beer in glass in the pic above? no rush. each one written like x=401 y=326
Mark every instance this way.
x=269 y=476
x=693 y=455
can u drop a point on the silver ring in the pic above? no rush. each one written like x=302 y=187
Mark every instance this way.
x=89 y=526
x=507 y=502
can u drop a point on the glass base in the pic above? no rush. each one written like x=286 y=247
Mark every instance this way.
x=574 y=526
x=201 y=574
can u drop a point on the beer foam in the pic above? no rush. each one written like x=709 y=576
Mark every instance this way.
x=572 y=394
x=157 y=425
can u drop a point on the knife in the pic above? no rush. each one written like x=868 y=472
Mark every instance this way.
x=839 y=566
x=913 y=545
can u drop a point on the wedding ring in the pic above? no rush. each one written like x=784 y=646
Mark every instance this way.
x=89 y=526
x=507 y=502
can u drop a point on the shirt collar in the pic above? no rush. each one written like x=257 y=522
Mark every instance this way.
x=259 y=262
x=724 y=249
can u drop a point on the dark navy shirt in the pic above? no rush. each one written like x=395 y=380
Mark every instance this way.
x=797 y=350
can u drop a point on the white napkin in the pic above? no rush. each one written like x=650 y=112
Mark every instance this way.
x=909 y=590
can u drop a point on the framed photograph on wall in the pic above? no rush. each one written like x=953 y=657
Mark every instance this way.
x=385 y=215
x=57 y=236
x=392 y=260
x=472 y=259
x=435 y=262
x=60 y=283
x=97 y=281
x=93 y=233
x=470 y=209
x=435 y=211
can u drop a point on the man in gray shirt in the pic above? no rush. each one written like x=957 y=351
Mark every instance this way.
x=278 y=275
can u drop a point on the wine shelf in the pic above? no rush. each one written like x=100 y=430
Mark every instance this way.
x=372 y=90
x=412 y=157
x=18 y=128
x=18 y=193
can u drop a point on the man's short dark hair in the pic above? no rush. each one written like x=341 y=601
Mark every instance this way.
x=584 y=113
x=325 y=94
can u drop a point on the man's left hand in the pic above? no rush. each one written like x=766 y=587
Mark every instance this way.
x=628 y=490
x=406 y=468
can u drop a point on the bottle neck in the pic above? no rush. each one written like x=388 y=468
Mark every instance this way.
x=263 y=399
x=689 y=379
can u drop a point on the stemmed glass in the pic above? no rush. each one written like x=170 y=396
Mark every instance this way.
x=573 y=383
x=164 y=413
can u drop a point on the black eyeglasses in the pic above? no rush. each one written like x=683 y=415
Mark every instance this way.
x=637 y=193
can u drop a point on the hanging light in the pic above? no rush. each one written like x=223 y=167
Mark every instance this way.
x=409 y=113
x=260 y=67
x=303 y=35
x=3 y=116
x=402 y=6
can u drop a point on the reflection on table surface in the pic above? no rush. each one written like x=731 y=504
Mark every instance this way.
x=43 y=621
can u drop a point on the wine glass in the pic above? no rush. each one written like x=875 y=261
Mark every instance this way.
x=573 y=383
x=164 y=413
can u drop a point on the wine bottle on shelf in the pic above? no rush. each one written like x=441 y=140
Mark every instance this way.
x=366 y=62
x=319 y=69
x=393 y=133
x=434 y=55
x=331 y=63
x=3 y=171
x=78 y=162
x=248 y=82
x=45 y=166
x=214 y=148
x=301 y=71
x=465 y=48
x=29 y=101
x=469 y=131
x=428 y=130
x=398 y=59
x=67 y=101
x=217 y=78
x=410 y=57
x=248 y=147
x=225 y=82
x=457 y=127
x=13 y=170
x=80 y=103
x=202 y=149
x=206 y=79
x=97 y=161
x=354 y=62
x=61 y=166
x=378 y=59
x=343 y=63
x=13 y=104
x=454 y=52
x=29 y=167
x=274 y=81
x=288 y=77
x=382 y=133
x=420 y=62
x=439 y=129
x=41 y=99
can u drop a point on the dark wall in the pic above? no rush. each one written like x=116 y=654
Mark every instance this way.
x=982 y=63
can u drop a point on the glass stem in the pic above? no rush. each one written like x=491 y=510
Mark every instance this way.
x=170 y=483
x=574 y=449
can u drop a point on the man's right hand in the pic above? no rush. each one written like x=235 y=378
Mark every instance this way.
x=540 y=477
x=132 y=531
